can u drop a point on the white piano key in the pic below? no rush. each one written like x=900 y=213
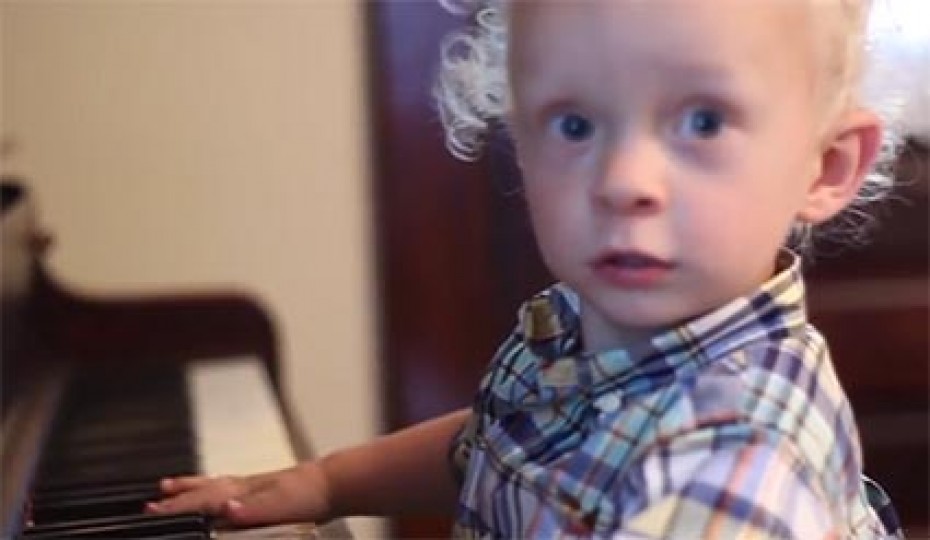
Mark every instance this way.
x=241 y=430
x=238 y=423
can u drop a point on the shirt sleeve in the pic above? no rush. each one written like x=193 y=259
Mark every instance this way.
x=699 y=486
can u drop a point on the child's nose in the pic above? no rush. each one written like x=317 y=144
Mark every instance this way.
x=631 y=179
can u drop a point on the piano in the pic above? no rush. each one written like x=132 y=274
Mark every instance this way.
x=101 y=397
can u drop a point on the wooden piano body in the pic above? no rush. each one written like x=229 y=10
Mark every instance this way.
x=53 y=337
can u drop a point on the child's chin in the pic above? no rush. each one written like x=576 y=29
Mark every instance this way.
x=643 y=311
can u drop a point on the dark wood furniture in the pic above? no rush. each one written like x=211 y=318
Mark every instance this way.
x=872 y=304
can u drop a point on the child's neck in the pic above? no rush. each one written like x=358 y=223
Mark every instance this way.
x=599 y=335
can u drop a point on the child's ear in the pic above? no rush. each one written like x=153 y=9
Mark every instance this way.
x=844 y=162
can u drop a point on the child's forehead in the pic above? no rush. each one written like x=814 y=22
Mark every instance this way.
x=677 y=33
x=713 y=13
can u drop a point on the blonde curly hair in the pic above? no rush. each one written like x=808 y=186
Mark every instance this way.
x=865 y=66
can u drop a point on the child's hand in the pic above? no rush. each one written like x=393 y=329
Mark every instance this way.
x=290 y=495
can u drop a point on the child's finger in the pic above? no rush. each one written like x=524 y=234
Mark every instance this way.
x=190 y=501
x=197 y=494
x=171 y=486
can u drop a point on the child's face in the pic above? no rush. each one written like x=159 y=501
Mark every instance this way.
x=666 y=149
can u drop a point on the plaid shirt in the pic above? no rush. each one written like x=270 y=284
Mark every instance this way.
x=733 y=425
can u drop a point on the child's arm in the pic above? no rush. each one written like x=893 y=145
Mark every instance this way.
x=404 y=472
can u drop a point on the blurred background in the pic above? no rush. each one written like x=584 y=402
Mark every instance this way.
x=180 y=146
x=290 y=150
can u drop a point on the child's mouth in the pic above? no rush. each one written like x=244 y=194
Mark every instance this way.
x=631 y=268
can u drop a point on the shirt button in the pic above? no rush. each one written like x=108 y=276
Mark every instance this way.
x=608 y=403
x=739 y=358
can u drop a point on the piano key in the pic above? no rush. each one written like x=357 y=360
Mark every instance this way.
x=137 y=526
x=234 y=406
x=139 y=428
x=127 y=470
x=109 y=450
x=94 y=506
x=53 y=495
x=117 y=436
x=108 y=454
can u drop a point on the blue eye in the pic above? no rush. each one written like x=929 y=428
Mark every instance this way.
x=703 y=122
x=574 y=127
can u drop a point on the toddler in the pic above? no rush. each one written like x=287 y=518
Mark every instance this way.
x=669 y=386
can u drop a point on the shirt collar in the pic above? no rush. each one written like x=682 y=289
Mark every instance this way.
x=549 y=364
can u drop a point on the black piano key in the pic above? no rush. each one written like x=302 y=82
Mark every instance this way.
x=121 y=429
x=120 y=472
x=108 y=451
x=115 y=426
x=97 y=455
x=96 y=506
x=133 y=425
x=116 y=437
x=138 y=527
x=52 y=495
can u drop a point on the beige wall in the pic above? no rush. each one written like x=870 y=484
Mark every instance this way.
x=188 y=144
